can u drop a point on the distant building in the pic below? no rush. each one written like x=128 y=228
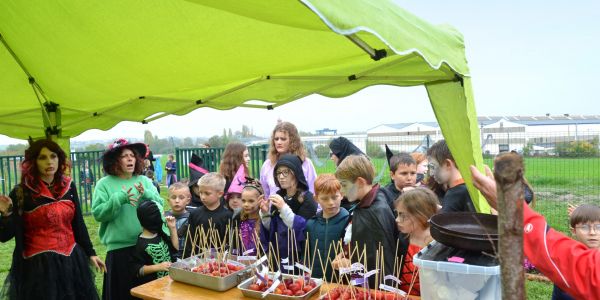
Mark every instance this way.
x=498 y=133
x=326 y=131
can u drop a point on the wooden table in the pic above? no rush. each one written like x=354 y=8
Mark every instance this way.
x=166 y=288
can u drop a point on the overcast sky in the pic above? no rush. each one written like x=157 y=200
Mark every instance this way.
x=525 y=57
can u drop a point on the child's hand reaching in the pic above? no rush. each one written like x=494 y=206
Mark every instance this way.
x=171 y=222
x=408 y=188
x=264 y=206
x=277 y=201
x=570 y=209
x=164 y=266
x=340 y=261
x=5 y=205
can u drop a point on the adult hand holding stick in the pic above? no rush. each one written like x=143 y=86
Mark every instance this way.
x=504 y=191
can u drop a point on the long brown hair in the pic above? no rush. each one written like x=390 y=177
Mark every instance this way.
x=296 y=146
x=421 y=203
x=29 y=168
x=232 y=158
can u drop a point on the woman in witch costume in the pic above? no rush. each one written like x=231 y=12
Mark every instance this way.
x=341 y=148
x=53 y=250
x=115 y=201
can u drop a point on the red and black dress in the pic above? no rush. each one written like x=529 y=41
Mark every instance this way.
x=410 y=273
x=52 y=245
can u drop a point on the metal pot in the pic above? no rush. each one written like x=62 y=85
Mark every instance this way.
x=466 y=230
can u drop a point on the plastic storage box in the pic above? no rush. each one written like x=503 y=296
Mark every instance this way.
x=477 y=278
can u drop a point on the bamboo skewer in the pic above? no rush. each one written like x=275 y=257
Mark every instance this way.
x=187 y=236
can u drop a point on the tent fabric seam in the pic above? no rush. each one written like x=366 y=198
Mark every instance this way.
x=357 y=29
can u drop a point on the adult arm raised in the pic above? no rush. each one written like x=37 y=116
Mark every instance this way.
x=568 y=263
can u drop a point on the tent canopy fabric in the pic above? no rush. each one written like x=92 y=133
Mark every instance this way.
x=69 y=66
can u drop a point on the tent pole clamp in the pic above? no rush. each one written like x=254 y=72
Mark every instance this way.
x=376 y=54
x=459 y=78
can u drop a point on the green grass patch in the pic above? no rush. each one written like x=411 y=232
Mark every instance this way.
x=538 y=290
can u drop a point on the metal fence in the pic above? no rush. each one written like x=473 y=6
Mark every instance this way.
x=563 y=168
x=212 y=157
x=86 y=170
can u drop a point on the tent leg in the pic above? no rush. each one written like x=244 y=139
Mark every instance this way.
x=454 y=108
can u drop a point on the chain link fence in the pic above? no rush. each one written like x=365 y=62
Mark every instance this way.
x=563 y=168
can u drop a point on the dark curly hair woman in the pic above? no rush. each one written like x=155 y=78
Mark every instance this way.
x=115 y=200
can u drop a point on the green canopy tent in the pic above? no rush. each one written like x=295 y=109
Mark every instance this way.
x=68 y=66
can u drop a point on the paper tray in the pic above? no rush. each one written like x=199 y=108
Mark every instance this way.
x=258 y=295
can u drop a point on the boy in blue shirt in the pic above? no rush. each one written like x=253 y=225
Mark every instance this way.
x=327 y=226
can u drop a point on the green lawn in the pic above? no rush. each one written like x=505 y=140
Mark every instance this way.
x=538 y=290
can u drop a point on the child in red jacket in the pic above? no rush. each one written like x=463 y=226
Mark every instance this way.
x=585 y=227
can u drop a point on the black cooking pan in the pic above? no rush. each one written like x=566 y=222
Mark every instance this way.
x=466 y=230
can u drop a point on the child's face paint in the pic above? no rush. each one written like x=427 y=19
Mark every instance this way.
x=349 y=190
x=439 y=172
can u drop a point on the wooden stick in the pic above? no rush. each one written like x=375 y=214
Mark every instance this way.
x=193 y=251
x=413 y=279
x=323 y=278
x=313 y=257
x=187 y=237
x=395 y=262
x=508 y=173
x=296 y=246
x=377 y=260
x=278 y=257
x=290 y=239
x=307 y=251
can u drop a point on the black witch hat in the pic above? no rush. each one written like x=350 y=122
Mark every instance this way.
x=388 y=154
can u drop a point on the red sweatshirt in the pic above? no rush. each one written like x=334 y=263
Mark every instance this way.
x=568 y=263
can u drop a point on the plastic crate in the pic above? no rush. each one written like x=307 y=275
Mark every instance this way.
x=440 y=279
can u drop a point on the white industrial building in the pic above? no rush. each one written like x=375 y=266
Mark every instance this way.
x=498 y=133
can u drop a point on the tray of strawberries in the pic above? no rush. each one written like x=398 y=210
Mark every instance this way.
x=290 y=287
x=208 y=273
